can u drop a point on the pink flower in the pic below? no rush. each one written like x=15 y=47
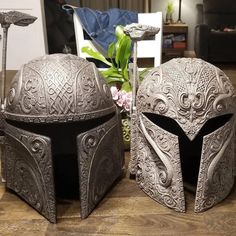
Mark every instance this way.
x=127 y=101
x=122 y=98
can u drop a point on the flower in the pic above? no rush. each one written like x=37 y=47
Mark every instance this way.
x=117 y=73
x=122 y=98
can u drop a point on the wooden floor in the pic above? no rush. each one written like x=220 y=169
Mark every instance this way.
x=126 y=210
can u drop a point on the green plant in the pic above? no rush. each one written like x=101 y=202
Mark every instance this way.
x=118 y=54
x=170 y=8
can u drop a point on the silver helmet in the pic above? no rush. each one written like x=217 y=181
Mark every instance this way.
x=184 y=134
x=63 y=134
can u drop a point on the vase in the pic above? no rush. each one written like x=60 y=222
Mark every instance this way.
x=169 y=18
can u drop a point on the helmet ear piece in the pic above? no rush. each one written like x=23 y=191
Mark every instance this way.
x=185 y=123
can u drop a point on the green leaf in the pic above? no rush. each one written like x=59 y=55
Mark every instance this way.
x=119 y=32
x=125 y=73
x=119 y=36
x=112 y=72
x=114 y=80
x=119 y=52
x=126 y=86
x=125 y=52
x=111 y=50
x=96 y=55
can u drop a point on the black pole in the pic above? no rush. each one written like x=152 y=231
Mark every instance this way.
x=179 y=18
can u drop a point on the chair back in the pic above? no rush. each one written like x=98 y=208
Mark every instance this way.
x=147 y=49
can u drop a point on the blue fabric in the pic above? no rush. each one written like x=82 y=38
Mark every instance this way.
x=100 y=26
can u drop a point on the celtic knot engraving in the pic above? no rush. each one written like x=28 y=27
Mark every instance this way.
x=33 y=96
x=58 y=87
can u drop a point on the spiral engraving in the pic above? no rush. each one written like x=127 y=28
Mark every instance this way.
x=190 y=91
x=29 y=170
x=11 y=95
x=216 y=176
x=158 y=165
x=126 y=129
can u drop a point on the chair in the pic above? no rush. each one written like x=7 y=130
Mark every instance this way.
x=146 y=49
x=215 y=35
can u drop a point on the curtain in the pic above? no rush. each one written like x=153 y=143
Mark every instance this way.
x=135 y=5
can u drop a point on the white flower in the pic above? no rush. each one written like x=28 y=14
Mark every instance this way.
x=114 y=93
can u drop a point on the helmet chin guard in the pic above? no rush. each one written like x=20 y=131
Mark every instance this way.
x=62 y=133
x=184 y=134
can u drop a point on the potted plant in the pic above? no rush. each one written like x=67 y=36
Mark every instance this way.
x=118 y=54
x=169 y=12
x=117 y=75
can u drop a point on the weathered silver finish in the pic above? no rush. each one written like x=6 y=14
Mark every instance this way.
x=65 y=90
x=216 y=174
x=58 y=88
x=191 y=92
x=99 y=166
x=6 y=19
x=29 y=169
x=137 y=32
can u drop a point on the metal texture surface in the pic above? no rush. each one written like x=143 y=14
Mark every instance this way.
x=29 y=169
x=99 y=163
x=139 y=32
x=6 y=19
x=59 y=108
x=58 y=88
x=178 y=107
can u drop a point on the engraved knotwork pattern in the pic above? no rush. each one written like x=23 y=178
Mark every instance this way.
x=29 y=170
x=100 y=163
x=59 y=87
x=33 y=98
x=216 y=176
x=90 y=88
x=152 y=174
x=190 y=91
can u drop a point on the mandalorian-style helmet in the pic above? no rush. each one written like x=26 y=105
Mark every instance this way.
x=63 y=134
x=184 y=134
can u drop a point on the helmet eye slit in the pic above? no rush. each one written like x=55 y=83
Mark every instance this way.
x=214 y=123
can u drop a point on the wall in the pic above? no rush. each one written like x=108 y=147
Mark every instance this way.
x=24 y=43
x=188 y=14
x=138 y=5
